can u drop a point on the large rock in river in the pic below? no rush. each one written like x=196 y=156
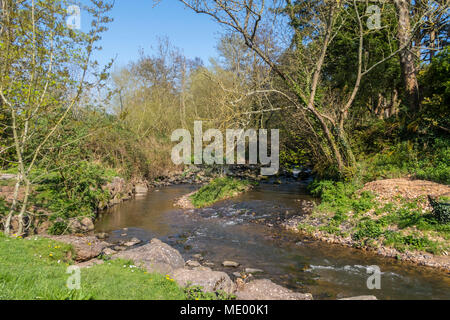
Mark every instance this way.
x=265 y=289
x=210 y=281
x=155 y=256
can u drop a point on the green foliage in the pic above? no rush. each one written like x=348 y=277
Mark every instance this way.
x=435 y=166
x=197 y=293
x=441 y=210
x=3 y=207
x=293 y=156
x=341 y=198
x=73 y=191
x=218 y=189
x=410 y=242
x=434 y=80
x=368 y=229
x=429 y=162
x=36 y=270
x=58 y=228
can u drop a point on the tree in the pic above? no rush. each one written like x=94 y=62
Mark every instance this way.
x=36 y=84
x=407 y=59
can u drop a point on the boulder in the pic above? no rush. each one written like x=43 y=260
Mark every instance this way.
x=209 y=280
x=102 y=235
x=140 y=189
x=108 y=251
x=198 y=256
x=86 y=248
x=192 y=263
x=90 y=263
x=81 y=225
x=132 y=242
x=265 y=289
x=87 y=224
x=155 y=256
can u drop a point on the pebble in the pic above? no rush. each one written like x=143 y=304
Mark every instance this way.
x=192 y=263
x=232 y=264
x=109 y=251
x=198 y=256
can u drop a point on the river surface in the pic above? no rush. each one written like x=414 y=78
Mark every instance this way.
x=229 y=231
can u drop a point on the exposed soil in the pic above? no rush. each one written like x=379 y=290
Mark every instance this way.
x=390 y=189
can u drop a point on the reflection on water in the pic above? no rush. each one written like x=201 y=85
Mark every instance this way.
x=227 y=232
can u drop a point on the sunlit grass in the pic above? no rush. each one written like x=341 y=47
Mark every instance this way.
x=35 y=268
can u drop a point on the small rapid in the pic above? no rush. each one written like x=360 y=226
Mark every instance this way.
x=231 y=230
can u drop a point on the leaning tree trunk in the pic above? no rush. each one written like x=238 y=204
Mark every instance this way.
x=407 y=59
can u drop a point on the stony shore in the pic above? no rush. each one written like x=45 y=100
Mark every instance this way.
x=417 y=258
x=157 y=256
x=386 y=191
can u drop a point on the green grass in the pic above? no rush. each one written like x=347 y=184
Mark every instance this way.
x=408 y=158
x=218 y=189
x=341 y=197
x=36 y=269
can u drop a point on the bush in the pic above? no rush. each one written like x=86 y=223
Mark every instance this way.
x=72 y=192
x=368 y=229
x=441 y=210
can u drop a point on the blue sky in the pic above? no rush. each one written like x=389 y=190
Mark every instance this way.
x=138 y=24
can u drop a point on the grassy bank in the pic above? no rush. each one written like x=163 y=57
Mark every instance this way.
x=35 y=268
x=219 y=189
x=360 y=218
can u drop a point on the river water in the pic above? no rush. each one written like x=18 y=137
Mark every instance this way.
x=229 y=231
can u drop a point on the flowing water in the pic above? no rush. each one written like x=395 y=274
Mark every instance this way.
x=229 y=231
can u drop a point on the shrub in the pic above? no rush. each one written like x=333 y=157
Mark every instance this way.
x=74 y=191
x=441 y=210
x=368 y=229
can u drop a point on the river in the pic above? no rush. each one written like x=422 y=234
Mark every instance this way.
x=227 y=231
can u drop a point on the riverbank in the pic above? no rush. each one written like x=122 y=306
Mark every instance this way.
x=392 y=218
x=55 y=208
x=36 y=268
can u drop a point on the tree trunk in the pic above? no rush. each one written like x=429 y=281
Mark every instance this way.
x=407 y=59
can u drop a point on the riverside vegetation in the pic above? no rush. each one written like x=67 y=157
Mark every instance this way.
x=218 y=189
x=403 y=224
x=43 y=264
x=352 y=103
